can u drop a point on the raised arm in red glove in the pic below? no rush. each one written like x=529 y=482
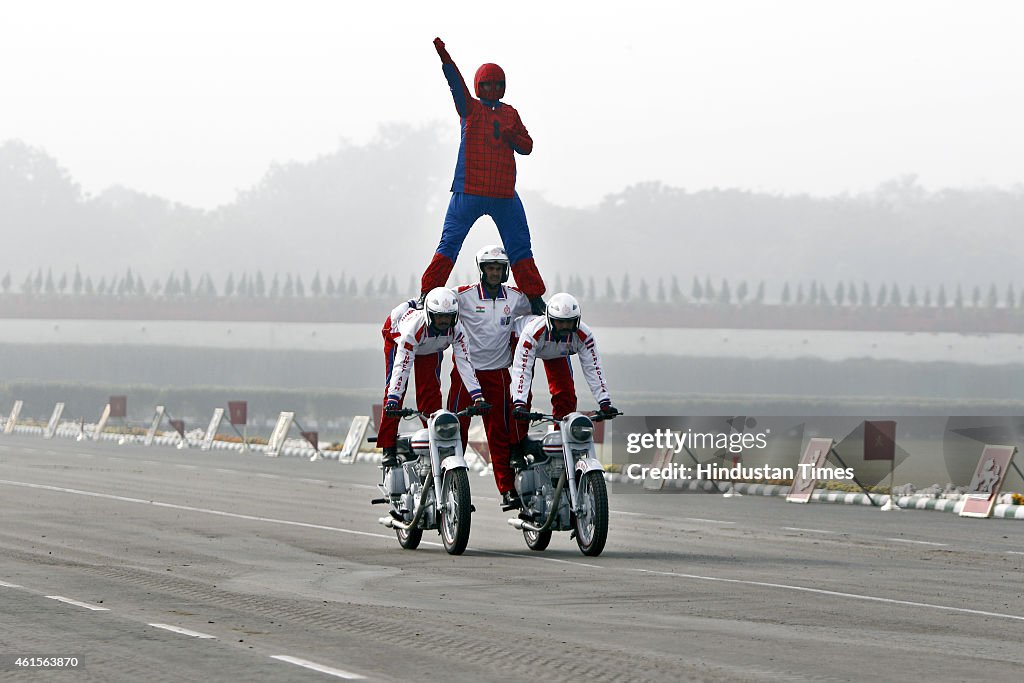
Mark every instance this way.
x=485 y=176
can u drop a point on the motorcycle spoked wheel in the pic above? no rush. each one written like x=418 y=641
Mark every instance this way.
x=592 y=520
x=409 y=538
x=537 y=540
x=456 y=510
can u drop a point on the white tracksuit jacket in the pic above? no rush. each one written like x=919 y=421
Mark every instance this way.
x=488 y=323
x=413 y=337
x=535 y=342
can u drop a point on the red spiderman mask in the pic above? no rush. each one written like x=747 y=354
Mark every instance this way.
x=489 y=82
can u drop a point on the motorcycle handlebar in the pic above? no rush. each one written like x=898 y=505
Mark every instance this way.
x=596 y=417
x=523 y=417
x=412 y=412
x=470 y=411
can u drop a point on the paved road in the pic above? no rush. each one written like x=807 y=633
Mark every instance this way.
x=258 y=569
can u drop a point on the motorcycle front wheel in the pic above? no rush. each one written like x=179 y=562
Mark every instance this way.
x=456 y=510
x=592 y=519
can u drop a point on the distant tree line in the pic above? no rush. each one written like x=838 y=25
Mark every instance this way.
x=241 y=285
x=329 y=214
x=664 y=290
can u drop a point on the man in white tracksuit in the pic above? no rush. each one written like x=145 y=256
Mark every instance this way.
x=418 y=337
x=487 y=311
x=554 y=337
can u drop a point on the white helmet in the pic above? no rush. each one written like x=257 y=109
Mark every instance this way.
x=441 y=301
x=562 y=306
x=492 y=253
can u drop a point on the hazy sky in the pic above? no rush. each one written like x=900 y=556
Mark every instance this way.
x=194 y=100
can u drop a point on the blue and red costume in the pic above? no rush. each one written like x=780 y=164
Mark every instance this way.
x=485 y=176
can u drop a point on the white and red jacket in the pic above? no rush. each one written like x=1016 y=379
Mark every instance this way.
x=488 y=323
x=413 y=337
x=535 y=342
x=391 y=324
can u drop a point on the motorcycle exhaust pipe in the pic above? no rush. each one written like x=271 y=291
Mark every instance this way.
x=392 y=523
x=530 y=526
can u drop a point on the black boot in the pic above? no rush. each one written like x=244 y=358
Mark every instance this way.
x=538 y=305
x=510 y=500
x=390 y=457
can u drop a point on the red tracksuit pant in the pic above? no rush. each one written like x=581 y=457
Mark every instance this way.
x=563 y=395
x=495 y=385
x=427 y=370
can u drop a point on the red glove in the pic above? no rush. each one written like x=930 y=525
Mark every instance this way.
x=441 y=51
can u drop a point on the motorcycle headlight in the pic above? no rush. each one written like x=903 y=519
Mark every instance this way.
x=581 y=429
x=446 y=426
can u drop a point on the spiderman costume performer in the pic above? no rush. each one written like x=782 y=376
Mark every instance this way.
x=485 y=177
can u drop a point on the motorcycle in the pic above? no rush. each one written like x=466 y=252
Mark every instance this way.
x=553 y=501
x=431 y=461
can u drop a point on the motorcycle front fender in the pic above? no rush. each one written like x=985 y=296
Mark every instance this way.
x=585 y=465
x=453 y=462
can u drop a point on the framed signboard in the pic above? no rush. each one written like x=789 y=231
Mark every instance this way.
x=988 y=480
x=814 y=455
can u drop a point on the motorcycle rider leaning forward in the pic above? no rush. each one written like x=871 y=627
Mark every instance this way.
x=418 y=337
x=487 y=310
x=554 y=337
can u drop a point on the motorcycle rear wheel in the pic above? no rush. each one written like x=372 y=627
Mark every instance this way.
x=592 y=521
x=456 y=509
x=537 y=540
x=409 y=538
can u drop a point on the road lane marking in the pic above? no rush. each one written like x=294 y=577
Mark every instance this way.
x=340 y=673
x=710 y=521
x=86 y=605
x=813 y=531
x=907 y=540
x=184 y=631
x=837 y=594
x=189 y=508
x=9 y=585
x=354 y=532
x=271 y=520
